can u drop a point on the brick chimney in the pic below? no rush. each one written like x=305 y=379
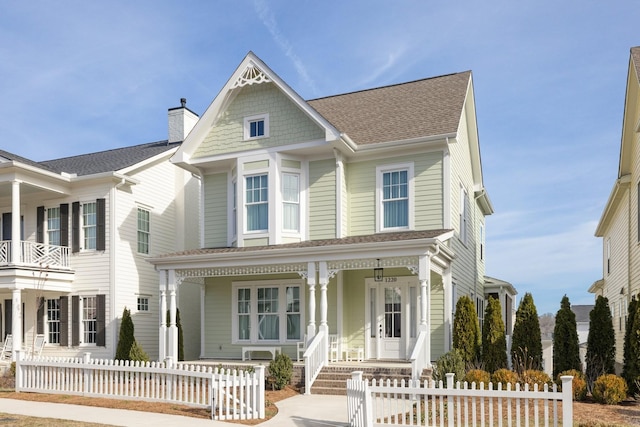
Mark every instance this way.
x=181 y=121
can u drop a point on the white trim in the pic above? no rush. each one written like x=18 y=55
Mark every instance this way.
x=382 y=169
x=446 y=190
x=264 y=117
x=282 y=307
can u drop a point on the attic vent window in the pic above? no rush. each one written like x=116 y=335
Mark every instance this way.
x=256 y=127
x=250 y=76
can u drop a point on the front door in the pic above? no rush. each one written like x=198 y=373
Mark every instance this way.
x=392 y=314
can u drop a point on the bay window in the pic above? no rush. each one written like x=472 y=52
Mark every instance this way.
x=290 y=202
x=257 y=202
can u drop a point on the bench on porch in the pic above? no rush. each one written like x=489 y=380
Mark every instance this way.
x=270 y=349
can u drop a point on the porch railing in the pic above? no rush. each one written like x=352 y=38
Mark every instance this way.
x=419 y=357
x=315 y=357
x=34 y=254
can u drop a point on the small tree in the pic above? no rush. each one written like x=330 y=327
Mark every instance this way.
x=466 y=331
x=126 y=337
x=494 y=343
x=601 y=342
x=566 y=348
x=526 y=345
x=631 y=368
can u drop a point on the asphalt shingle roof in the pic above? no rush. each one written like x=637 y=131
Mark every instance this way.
x=108 y=161
x=404 y=111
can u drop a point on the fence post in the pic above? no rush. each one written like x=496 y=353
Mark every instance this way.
x=168 y=364
x=567 y=400
x=259 y=376
x=87 y=383
x=19 y=374
x=450 y=420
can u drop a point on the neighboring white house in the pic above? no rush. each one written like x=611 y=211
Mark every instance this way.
x=76 y=234
x=619 y=223
x=360 y=215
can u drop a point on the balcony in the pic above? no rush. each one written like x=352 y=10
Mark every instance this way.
x=36 y=255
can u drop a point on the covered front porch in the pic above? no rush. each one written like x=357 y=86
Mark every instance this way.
x=387 y=295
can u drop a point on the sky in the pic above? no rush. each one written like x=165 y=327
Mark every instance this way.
x=549 y=79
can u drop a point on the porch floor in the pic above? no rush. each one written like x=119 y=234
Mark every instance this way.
x=341 y=364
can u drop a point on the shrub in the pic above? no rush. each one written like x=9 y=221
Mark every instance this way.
x=126 y=337
x=578 y=384
x=631 y=369
x=478 y=376
x=566 y=349
x=137 y=353
x=466 y=330
x=609 y=389
x=504 y=377
x=494 y=343
x=533 y=377
x=449 y=362
x=526 y=344
x=280 y=371
x=601 y=342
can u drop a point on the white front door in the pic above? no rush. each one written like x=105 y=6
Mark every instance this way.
x=391 y=314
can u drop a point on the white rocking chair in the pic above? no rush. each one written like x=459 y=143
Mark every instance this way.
x=38 y=345
x=7 y=348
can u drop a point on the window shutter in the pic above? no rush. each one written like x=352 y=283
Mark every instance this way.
x=100 y=224
x=75 y=227
x=7 y=317
x=100 y=321
x=64 y=321
x=64 y=224
x=75 y=321
x=40 y=322
x=40 y=224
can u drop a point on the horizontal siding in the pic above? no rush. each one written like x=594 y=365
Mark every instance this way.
x=322 y=199
x=215 y=210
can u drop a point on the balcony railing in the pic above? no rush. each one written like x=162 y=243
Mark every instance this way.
x=35 y=255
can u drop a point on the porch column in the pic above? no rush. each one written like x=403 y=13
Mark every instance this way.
x=202 y=319
x=16 y=320
x=424 y=273
x=15 y=224
x=172 y=348
x=162 y=342
x=324 y=281
x=448 y=309
x=311 y=281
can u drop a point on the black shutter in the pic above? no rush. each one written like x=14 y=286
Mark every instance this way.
x=75 y=321
x=64 y=321
x=40 y=224
x=75 y=227
x=64 y=224
x=7 y=317
x=100 y=224
x=40 y=322
x=100 y=321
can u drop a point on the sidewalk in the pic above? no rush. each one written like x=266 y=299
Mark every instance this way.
x=297 y=411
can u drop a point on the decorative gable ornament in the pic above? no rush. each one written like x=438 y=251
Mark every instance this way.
x=251 y=75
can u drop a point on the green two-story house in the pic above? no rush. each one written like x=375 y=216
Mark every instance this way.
x=359 y=216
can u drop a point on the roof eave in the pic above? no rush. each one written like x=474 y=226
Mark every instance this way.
x=619 y=188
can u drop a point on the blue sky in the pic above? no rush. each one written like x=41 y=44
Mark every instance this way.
x=78 y=76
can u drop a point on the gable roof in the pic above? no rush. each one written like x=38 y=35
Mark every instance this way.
x=582 y=312
x=109 y=160
x=15 y=158
x=418 y=109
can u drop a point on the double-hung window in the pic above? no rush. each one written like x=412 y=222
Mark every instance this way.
x=89 y=223
x=53 y=321
x=143 y=231
x=269 y=311
x=89 y=320
x=395 y=202
x=290 y=202
x=257 y=202
x=53 y=226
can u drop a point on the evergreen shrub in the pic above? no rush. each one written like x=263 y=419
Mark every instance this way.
x=578 y=384
x=280 y=371
x=504 y=376
x=478 y=376
x=609 y=389
x=447 y=363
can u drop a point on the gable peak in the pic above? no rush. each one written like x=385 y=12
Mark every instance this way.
x=251 y=75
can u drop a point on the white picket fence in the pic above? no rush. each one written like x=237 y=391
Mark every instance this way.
x=230 y=394
x=431 y=404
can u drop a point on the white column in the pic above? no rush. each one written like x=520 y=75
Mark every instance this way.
x=202 y=305
x=324 y=282
x=424 y=274
x=162 y=342
x=16 y=319
x=311 y=281
x=15 y=224
x=172 y=349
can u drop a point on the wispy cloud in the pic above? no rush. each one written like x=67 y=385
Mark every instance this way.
x=268 y=19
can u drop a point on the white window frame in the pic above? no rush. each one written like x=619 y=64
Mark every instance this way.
x=380 y=171
x=84 y=227
x=291 y=202
x=83 y=310
x=245 y=205
x=142 y=232
x=252 y=119
x=482 y=242
x=464 y=215
x=142 y=303
x=51 y=229
x=253 y=286
x=48 y=320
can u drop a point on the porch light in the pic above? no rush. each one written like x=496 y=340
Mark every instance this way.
x=378 y=274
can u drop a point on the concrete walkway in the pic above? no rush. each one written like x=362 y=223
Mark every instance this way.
x=297 y=411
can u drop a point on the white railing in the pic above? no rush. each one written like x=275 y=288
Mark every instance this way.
x=315 y=357
x=230 y=394
x=35 y=255
x=430 y=404
x=419 y=358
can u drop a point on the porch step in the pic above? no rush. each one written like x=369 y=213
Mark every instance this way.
x=332 y=380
